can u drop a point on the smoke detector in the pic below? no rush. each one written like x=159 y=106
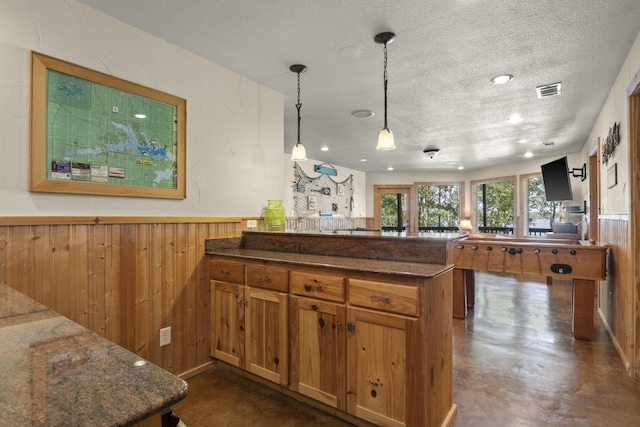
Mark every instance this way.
x=431 y=152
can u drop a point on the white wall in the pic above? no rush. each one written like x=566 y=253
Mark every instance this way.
x=234 y=125
x=616 y=200
x=522 y=168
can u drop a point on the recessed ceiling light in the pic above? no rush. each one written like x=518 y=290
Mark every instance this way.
x=363 y=160
x=141 y=116
x=324 y=148
x=502 y=79
x=460 y=167
x=362 y=114
x=389 y=168
x=515 y=118
x=528 y=154
x=523 y=141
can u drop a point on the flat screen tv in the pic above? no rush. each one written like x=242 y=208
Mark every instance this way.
x=557 y=186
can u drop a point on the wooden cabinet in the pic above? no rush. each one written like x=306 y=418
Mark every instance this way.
x=227 y=322
x=318 y=350
x=250 y=324
x=377 y=379
x=376 y=346
x=266 y=334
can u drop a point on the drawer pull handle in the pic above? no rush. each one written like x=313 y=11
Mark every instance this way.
x=474 y=247
x=239 y=301
x=309 y=288
x=225 y=272
x=382 y=298
x=265 y=279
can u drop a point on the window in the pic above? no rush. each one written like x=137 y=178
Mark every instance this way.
x=394 y=212
x=439 y=207
x=392 y=207
x=494 y=205
x=540 y=214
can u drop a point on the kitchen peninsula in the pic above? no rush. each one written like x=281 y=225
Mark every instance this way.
x=359 y=324
x=55 y=372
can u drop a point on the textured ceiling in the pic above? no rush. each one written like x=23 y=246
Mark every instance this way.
x=439 y=70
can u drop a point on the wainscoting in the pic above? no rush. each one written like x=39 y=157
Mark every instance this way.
x=123 y=278
x=616 y=299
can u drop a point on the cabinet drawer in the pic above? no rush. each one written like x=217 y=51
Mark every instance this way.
x=227 y=271
x=384 y=296
x=274 y=278
x=318 y=285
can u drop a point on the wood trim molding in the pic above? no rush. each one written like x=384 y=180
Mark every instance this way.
x=68 y=220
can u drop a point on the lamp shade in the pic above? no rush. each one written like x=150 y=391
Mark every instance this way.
x=465 y=226
x=299 y=153
x=385 y=140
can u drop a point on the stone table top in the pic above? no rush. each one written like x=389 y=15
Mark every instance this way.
x=55 y=372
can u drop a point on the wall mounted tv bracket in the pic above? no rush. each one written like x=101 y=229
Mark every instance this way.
x=580 y=172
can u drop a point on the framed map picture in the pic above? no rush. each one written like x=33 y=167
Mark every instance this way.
x=92 y=133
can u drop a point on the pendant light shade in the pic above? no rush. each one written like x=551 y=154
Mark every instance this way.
x=298 y=153
x=385 y=140
x=385 y=137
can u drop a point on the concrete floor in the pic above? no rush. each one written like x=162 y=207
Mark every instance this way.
x=515 y=364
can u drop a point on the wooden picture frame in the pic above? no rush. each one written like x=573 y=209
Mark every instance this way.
x=612 y=176
x=84 y=137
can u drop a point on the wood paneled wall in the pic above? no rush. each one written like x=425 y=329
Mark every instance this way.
x=123 y=280
x=616 y=296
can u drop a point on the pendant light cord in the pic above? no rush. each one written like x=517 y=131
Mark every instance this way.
x=298 y=106
x=385 y=86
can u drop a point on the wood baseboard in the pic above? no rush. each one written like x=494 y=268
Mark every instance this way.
x=197 y=370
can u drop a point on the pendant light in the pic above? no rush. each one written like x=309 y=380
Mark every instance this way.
x=298 y=154
x=385 y=137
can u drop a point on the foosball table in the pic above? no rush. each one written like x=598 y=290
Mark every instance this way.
x=582 y=261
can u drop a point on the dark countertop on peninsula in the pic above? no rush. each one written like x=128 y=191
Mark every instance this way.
x=55 y=372
x=371 y=252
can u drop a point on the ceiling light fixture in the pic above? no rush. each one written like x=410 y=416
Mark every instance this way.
x=298 y=153
x=324 y=148
x=502 y=79
x=515 y=119
x=385 y=137
x=362 y=114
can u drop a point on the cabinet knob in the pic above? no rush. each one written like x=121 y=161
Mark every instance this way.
x=536 y=251
x=321 y=322
x=309 y=288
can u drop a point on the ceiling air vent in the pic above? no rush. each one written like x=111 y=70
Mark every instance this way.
x=549 y=90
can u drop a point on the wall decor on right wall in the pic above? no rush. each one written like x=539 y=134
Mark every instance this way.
x=611 y=142
x=612 y=176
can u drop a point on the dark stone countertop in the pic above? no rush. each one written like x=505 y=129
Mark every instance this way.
x=365 y=265
x=55 y=372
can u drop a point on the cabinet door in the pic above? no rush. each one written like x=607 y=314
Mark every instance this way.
x=318 y=350
x=267 y=334
x=227 y=322
x=377 y=366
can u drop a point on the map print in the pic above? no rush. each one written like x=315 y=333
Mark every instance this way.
x=100 y=134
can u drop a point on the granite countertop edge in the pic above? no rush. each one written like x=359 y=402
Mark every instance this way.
x=364 y=265
x=57 y=372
